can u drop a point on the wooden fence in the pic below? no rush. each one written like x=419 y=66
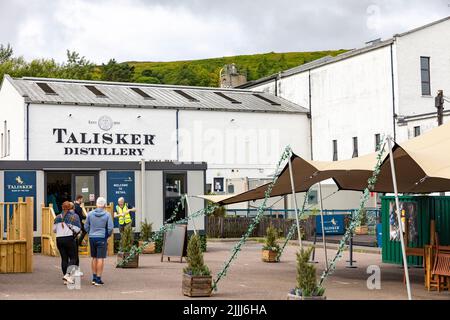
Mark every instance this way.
x=16 y=236
x=110 y=209
x=235 y=227
x=48 y=237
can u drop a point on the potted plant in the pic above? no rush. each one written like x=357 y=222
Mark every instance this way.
x=126 y=243
x=197 y=280
x=145 y=235
x=307 y=288
x=362 y=228
x=271 y=247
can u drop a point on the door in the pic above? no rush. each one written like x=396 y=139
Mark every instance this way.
x=86 y=184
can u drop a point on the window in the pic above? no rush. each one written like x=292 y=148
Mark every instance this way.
x=221 y=94
x=355 y=147
x=175 y=187
x=377 y=142
x=95 y=91
x=266 y=99
x=425 y=75
x=335 y=150
x=143 y=94
x=187 y=96
x=417 y=131
x=46 y=88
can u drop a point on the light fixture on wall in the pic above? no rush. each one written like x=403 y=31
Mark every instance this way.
x=70 y=115
x=139 y=117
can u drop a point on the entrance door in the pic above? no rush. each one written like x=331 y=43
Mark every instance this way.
x=65 y=186
x=85 y=184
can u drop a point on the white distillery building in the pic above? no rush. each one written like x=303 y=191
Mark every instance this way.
x=73 y=137
x=386 y=87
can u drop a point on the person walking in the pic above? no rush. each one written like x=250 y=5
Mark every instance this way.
x=99 y=226
x=67 y=226
x=79 y=201
x=123 y=213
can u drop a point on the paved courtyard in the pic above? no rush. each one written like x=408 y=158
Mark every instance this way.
x=248 y=278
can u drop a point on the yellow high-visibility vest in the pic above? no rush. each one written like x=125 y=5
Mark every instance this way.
x=124 y=219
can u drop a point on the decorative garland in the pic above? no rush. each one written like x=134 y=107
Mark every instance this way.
x=355 y=219
x=158 y=235
x=294 y=226
x=237 y=248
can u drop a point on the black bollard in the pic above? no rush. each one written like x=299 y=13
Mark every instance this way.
x=313 y=259
x=350 y=265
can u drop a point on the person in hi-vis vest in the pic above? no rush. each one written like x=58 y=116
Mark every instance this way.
x=123 y=213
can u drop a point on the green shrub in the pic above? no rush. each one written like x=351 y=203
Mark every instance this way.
x=306 y=275
x=126 y=239
x=146 y=231
x=196 y=265
x=158 y=245
x=271 y=239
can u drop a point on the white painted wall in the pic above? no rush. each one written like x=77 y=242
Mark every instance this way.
x=351 y=98
x=12 y=110
x=195 y=186
x=433 y=42
x=248 y=143
x=154 y=205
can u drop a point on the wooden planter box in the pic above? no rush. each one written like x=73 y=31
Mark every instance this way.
x=133 y=263
x=291 y=296
x=197 y=286
x=269 y=256
x=362 y=230
x=150 y=249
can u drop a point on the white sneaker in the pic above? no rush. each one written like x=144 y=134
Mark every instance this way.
x=68 y=279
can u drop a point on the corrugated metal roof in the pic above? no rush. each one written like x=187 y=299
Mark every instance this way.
x=74 y=92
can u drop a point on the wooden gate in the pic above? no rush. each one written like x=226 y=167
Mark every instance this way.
x=48 y=237
x=16 y=236
x=110 y=209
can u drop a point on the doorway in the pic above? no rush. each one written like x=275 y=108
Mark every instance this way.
x=65 y=186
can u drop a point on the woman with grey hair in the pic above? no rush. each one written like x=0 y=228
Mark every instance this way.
x=99 y=226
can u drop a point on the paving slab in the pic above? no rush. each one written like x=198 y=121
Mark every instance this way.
x=248 y=278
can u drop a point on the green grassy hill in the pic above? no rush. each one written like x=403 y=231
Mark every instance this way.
x=206 y=72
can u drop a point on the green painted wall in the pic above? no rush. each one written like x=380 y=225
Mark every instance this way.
x=428 y=208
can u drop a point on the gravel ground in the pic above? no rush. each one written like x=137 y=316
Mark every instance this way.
x=248 y=278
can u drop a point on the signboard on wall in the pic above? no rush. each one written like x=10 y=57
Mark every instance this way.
x=121 y=184
x=20 y=184
x=112 y=134
x=218 y=185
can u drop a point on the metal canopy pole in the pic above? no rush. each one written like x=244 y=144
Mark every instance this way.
x=399 y=218
x=323 y=227
x=295 y=205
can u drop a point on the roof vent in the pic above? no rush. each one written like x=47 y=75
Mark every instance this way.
x=372 y=42
x=95 y=91
x=187 y=96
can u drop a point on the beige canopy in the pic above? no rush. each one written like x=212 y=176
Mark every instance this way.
x=422 y=166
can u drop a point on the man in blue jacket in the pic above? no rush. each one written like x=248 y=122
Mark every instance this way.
x=99 y=226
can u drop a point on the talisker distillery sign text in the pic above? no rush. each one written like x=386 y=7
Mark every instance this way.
x=103 y=144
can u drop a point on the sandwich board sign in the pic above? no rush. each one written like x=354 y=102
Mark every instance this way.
x=174 y=244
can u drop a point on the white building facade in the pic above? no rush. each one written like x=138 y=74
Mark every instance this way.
x=91 y=137
x=387 y=87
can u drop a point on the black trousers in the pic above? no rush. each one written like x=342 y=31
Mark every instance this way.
x=68 y=250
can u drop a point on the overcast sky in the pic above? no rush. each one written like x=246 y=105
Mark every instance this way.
x=166 y=30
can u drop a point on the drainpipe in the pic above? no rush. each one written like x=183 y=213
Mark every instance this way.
x=310 y=115
x=178 y=134
x=28 y=132
x=393 y=93
x=142 y=189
